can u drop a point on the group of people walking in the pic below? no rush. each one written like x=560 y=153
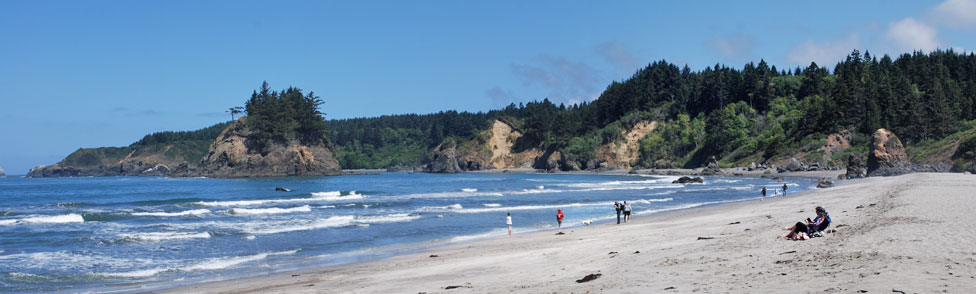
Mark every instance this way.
x=619 y=207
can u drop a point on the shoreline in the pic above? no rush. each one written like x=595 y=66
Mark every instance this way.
x=878 y=245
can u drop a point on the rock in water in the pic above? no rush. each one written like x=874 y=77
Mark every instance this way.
x=887 y=156
x=824 y=183
x=444 y=160
x=1 y=173
x=236 y=153
x=686 y=180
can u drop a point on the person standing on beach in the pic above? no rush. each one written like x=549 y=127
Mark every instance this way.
x=559 y=219
x=626 y=212
x=508 y=221
x=618 y=208
x=784 y=189
x=763 y=193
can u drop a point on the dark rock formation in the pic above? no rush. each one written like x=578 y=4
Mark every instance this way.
x=236 y=154
x=1 y=173
x=447 y=159
x=712 y=167
x=887 y=155
x=824 y=183
x=855 y=167
x=794 y=165
x=687 y=180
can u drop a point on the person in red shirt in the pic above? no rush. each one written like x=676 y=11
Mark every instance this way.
x=559 y=220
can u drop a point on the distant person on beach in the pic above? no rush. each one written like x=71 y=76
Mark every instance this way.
x=559 y=219
x=508 y=221
x=784 y=189
x=802 y=231
x=618 y=208
x=626 y=212
x=763 y=192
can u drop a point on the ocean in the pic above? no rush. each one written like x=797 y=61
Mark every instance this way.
x=132 y=234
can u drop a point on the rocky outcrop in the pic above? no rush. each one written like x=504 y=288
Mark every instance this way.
x=855 y=167
x=824 y=183
x=94 y=162
x=236 y=153
x=794 y=165
x=446 y=158
x=712 y=167
x=2 y=174
x=688 y=180
x=887 y=155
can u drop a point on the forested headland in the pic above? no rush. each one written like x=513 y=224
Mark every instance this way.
x=755 y=114
x=674 y=117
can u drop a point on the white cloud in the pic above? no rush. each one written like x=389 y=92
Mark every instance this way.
x=824 y=53
x=566 y=80
x=911 y=34
x=617 y=54
x=735 y=46
x=955 y=13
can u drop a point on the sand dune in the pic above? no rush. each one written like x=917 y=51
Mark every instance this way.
x=912 y=233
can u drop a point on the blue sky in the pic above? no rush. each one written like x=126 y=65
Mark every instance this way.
x=105 y=73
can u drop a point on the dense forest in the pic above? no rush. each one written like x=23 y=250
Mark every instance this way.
x=279 y=117
x=756 y=113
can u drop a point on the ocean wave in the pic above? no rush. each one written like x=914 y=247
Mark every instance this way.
x=272 y=210
x=209 y=264
x=554 y=206
x=337 y=196
x=451 y=195
x=51 y=219
x=391 y=218
x=469 y=190
x=331 y=222
x=491 y=205
x=440 y=208
x=164 y=236
x=181 y=213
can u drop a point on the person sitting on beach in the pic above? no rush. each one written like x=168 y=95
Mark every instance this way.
x=802 y=231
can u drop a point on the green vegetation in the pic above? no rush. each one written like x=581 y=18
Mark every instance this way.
x=279 y=117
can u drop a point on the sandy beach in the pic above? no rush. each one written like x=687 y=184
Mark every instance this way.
x=906 y=234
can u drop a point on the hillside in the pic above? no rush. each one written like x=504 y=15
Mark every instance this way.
x=664 y=116
x=154 y=155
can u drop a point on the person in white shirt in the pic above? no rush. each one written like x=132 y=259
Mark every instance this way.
x=508 y=221
x=626 y=212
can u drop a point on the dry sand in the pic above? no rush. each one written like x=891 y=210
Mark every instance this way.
x=912 y=233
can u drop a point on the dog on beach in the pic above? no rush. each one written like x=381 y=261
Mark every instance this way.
x=586 y=222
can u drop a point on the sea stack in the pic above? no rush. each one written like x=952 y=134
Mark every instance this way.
x=1 y=173
x=236 y=153
x=887 y=156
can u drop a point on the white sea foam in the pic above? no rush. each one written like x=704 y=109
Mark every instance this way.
x=337 y=196
x=272 y=210
x=491 y=205
x=181 y=213
x=209 y=264
x=469 y=190
x=450 y=195
x=48 y=219
x=165 y=236
x=331 y=222
x=555 y=206
x=326 y=206
x=390 y=218
x=440 y=208
x=492 y=233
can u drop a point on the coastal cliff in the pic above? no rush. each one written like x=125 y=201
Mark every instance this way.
x=236 y=154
